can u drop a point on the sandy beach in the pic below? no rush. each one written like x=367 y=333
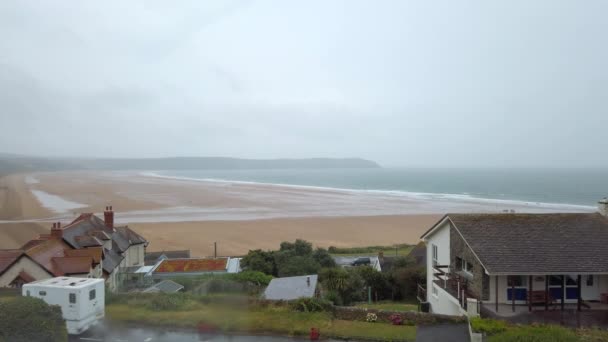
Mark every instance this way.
x=182 y=214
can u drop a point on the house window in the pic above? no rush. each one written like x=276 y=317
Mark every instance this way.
x=72 y=298
x=555 y=280
x=42 y=293
x=466 y=266
x=92 y=294
x=517 y=281
x=435 y=257
x=589 y=280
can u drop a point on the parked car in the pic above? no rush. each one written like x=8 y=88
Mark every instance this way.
x=361 y=262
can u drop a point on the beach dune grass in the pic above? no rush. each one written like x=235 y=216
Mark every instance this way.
x=270 y=319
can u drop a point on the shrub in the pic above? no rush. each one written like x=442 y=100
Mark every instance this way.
x=535 y=333
x=371 y=317
x=396 y=319
x=166 y=302
x=334 y=297
x=31 y=319
x=310 y=305
x=488 y=326
x=255 y=277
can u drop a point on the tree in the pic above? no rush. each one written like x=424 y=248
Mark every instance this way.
x=299 y=248
x=31 y=319
x=347 y=285
x=261 y=261
x=296 y=266
x=323 y=257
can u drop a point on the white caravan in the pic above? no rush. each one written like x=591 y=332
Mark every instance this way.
x=82 y=300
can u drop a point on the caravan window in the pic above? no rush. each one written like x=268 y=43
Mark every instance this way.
x=42 y=293
x=92 y=294
x=72 y=298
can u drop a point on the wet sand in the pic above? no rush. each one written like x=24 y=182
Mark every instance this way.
x=182 y=214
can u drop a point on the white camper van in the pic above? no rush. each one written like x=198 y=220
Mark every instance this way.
x=82 y=300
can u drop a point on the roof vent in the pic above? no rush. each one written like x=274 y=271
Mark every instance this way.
x=72 y=284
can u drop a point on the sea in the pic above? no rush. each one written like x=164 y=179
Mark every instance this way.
x=580 y=187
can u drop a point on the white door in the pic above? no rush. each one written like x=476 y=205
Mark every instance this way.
x=590 y=289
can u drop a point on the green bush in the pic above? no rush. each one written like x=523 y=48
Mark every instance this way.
x=535 y=333
x=488 y=326
x=310 y=305
x=254 y=277
x=31 y=319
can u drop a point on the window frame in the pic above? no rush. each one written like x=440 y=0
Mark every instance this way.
x=92 y=294
x=435 y=254
x=72 y=298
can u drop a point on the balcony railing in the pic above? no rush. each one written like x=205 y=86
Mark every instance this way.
x=454 y=284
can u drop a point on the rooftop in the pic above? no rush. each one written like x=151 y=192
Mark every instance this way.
x=8 y=257
x=536 y=243
x=290 y=288
x=192 y=265
x=63 y=282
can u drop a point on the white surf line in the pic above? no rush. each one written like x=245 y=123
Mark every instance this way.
x=420 y=196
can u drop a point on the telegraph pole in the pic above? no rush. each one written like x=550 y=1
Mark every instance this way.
x=215 y=249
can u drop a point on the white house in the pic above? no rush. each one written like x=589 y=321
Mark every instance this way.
x=510 y=262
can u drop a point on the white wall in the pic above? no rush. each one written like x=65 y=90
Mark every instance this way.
x=440 y=238
x=134 y=256
x=444 y=303
x=23 y=264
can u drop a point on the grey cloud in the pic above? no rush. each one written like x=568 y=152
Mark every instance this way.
x=400 y=82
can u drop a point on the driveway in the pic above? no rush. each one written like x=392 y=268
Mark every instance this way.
x=442 y=332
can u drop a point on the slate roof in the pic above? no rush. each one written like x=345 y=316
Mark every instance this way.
x=151 y=258
x=9 y=257
x=165 y=286
x=418 y=254
x=192 y=265
x=536 y=243
x=290 y=288
x=111 y=260
x=87 y=227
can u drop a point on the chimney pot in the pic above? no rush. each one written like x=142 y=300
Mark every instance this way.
x=308 y=281
x=108 y=217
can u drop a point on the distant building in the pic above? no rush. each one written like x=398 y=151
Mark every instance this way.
x=152 y=258
x=511 y=262
x=87 y=247
x=195 y=266
x=290 y=288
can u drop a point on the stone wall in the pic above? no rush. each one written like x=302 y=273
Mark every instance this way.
x=459 y=249
x=349 y=313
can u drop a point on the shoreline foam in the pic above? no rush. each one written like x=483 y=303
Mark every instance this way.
x=415 y=196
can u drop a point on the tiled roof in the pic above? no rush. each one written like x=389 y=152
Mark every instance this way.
x=80 y=232
x=152 y=257
x=192 y=265
x=92 y=252
x=45 y=252
x=26 y=277
x=8 y=257
x=291 y=288
x=72 y=265
x=536 y=243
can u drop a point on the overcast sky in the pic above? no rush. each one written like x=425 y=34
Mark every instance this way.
x=404 y=83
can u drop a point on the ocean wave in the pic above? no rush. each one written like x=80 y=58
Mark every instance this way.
x=419 y=196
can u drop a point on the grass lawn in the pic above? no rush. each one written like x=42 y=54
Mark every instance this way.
x=390 y=306
x=501 y=331
x=271 y=319
x=396 y=250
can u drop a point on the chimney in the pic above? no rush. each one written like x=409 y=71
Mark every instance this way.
x=602 y=206
x=108 y=217
x=308 y=281
x=56 y=231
